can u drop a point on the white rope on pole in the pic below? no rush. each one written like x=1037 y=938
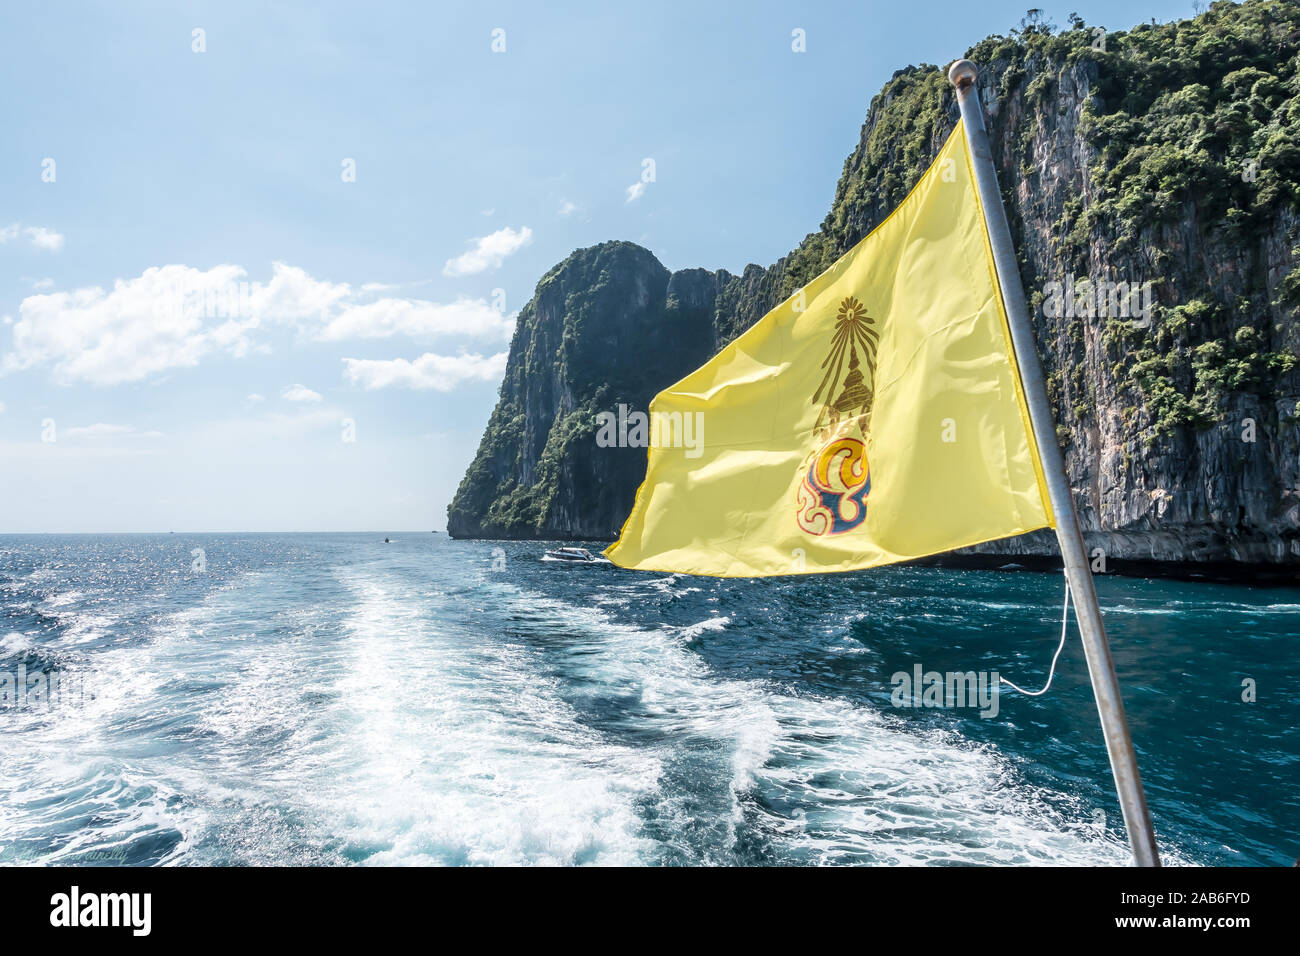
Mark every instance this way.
x=1065 y=619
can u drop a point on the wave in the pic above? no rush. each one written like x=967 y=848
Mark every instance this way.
x=14 y=643
x=107 y=774
x=359 y=714
x=692 y=631
x=808 y=779
x=451 y=748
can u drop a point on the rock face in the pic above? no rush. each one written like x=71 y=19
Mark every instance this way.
x=608 y=326
x=1167 y=158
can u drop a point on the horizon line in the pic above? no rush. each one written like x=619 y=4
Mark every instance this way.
x=273 y=531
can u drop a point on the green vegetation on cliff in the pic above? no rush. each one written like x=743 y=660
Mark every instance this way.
x=1168 y=154
x=1198 y=121
x=608 y=326
x=1193 y=122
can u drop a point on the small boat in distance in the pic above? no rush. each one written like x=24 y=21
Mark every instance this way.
x=573 y=555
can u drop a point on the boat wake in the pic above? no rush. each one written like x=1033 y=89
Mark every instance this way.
x=359 y=715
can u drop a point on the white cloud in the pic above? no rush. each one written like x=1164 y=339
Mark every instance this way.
x=176 y=316
x=40 y=285
x=299 y=393
x=390 y=286
x=38 y=236
x=2 y=408
x=43 y=238
x=418 y=319
x=568 y=208
x=488 y=252
x=636 y=190
x=294 y=296
x=128 y=333
x=441 y=373
x=253 y=398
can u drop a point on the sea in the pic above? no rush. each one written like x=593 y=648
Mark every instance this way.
x=332 y=699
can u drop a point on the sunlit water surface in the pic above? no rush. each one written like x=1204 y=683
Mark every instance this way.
x=331 y=699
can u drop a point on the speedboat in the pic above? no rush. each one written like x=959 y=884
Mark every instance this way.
x=574 y=555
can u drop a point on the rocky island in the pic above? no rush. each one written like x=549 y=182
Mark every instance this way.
x=1164 y=158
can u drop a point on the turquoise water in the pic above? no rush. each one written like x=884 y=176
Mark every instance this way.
x=329 y=699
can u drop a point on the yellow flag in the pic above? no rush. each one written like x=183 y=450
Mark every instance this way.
x=873 y=417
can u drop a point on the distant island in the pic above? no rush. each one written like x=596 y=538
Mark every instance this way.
x=1162 y=162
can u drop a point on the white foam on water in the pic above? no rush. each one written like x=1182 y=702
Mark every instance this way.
x=826 y=780
x=242 y=733
x=80 y=620
x=1155 y=611
x=139 y=766
x=72 y=787
x=692 y=631
x=64 y=598
x=380 y=724
x=672 y=587
x=452 y=749
x=15 y=643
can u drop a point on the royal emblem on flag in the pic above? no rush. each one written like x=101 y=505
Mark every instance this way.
x=831 y=497
x=856 y=340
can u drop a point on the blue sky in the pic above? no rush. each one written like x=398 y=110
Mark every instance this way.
x=176 y=400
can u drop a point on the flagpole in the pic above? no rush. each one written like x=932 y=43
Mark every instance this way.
x=1105 y=686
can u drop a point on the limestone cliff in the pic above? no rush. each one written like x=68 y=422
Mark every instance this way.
x=608 y=326
x=1168 y=154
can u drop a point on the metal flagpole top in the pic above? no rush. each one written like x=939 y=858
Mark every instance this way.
x=962 y=74
x=1092 y=632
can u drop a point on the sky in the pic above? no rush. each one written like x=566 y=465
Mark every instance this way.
x=260 y=263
